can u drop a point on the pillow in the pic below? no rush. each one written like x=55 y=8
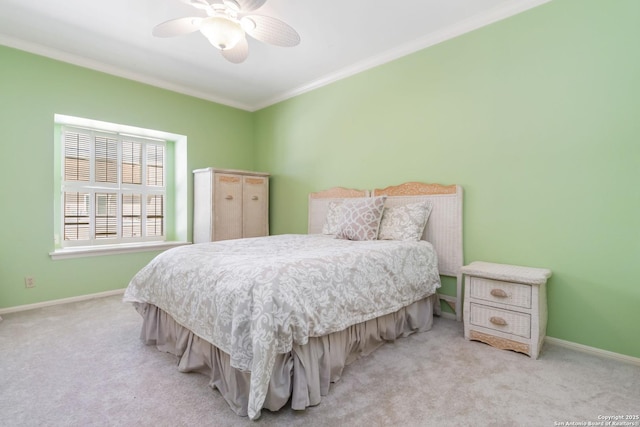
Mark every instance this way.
x=405 y=222
x=333 y=219
x=361 y=218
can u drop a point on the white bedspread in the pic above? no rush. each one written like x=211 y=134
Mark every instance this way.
x=253 y=298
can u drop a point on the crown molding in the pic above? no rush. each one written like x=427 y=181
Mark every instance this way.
x=92 y=64
x=463 y=27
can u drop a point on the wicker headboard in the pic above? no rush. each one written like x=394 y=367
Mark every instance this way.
x=319 y=204
x=443 y=231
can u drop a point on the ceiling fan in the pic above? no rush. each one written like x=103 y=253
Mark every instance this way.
x=226 y=25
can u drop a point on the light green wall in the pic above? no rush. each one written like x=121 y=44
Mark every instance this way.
x=535 y=116
x=32 y=90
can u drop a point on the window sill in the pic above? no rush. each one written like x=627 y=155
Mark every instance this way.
x=79 y=252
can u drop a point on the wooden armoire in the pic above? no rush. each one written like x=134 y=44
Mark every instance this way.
x=229 y=204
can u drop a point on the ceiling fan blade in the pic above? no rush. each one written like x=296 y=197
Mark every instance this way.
x=238 y=53
x=177 y=27
x=249 y=5
x=199 y=4
x=270 y=30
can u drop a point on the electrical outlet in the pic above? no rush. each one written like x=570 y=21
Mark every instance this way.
x=29 y=282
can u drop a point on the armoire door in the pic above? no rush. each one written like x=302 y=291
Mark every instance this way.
x=255 y=210
x=227 y=223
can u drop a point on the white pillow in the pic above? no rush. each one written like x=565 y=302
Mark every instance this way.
x=333 y=219
x=361 y=218
x=405 y=222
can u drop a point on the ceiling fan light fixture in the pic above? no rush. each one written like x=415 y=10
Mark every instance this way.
x=227 y=26
x=248 y=24
x=222 y=32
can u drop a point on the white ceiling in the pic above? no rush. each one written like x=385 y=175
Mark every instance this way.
x=339 y=38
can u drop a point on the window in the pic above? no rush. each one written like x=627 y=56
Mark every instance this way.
x=117 y=188
x=113 y=188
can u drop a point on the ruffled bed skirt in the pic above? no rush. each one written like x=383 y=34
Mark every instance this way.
x=304 y=374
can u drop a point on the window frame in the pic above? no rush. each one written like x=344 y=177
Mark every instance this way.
x=175 y=199
x=94 y=188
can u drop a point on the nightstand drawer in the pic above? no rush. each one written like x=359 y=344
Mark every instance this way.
x=509 y=293
x=506 y=321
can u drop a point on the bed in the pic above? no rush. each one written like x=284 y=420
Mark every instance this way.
x=275 y=319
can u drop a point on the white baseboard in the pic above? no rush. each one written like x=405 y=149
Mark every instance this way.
x=60 y=301
x=594 y=351
x=448 y=315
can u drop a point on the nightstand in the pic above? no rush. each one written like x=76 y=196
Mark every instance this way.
x=505 y=306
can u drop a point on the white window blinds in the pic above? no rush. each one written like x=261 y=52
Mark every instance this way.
x=113 y=188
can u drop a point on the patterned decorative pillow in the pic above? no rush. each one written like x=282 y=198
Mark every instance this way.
x=334 y=218
x=361 y=218
x=405 y=222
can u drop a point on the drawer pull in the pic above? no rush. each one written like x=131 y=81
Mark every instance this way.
x=229 y=197
x=498 y=293
x=498 y=321
x=254 y=198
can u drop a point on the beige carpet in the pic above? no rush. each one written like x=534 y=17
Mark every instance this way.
x=82 y=364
